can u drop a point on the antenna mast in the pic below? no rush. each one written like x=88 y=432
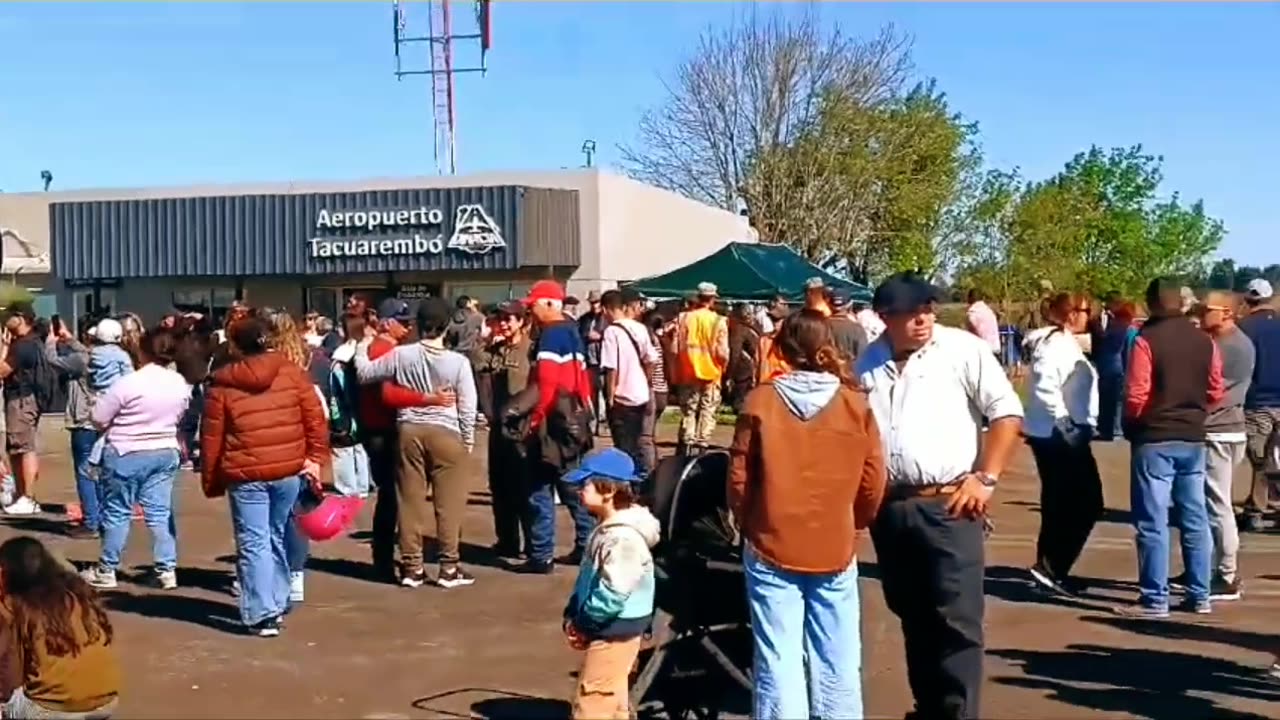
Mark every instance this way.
x=442 y=67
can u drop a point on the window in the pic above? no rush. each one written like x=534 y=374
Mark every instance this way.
x=44 y=304
x=212 y=301
x=489 y=293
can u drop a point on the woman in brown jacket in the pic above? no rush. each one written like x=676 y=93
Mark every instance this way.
x=263 y=434
x=807 y=475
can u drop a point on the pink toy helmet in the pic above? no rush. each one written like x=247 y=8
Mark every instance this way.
x=329 y=518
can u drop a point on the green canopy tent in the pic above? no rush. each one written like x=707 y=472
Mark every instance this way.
x=747 y=272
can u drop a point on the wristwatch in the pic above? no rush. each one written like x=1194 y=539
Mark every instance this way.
x=987 y=479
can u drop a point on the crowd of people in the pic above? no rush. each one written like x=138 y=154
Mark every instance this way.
x=839 y=405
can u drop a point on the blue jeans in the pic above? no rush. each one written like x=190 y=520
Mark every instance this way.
x=1165 y=474
x=1110 y=403
x=144 y=478
x=351 y=471
x=798 y=616
x=542 y=513
x=260 y=513
x=296 y=545
x=88 y=489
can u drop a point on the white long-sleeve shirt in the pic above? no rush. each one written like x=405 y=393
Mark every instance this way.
x=1063 y=383
x=930 y=412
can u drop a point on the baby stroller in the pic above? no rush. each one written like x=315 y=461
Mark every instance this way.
x=699 y=660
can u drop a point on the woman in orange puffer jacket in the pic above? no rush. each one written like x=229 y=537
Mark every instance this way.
x=263 y=435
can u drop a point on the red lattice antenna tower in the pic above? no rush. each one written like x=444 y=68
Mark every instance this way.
x=442 y=66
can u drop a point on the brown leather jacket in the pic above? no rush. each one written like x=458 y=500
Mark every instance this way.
x=802 y=489
x=262 y=421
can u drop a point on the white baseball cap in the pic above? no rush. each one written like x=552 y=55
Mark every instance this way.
x=1258 y=289
x=108 y=330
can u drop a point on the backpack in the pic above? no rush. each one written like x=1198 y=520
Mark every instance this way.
x=45 y=383
x=569 y=420
x=341 y=396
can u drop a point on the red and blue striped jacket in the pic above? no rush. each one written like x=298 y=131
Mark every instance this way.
x=560 y=364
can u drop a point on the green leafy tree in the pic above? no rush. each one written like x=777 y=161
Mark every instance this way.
x=876 y=188
x=1222 y=275
x=1096 y=226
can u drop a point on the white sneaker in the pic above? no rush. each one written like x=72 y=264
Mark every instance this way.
x=100 y=577
x=296 y=593
x=235 y=588
x=23 y=506
x=167 y=579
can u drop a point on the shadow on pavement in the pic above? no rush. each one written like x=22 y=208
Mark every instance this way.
x=1109 y=515
x=37 y=525
x=507 y=706
x=342 y=567
x=484 y=556
x=218 y=581
x=1014 y=585
x=1143 y=683
x=1195 y=632
x=170 y=606
x=521 y=708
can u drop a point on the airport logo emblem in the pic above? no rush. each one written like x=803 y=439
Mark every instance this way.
x=475 y=232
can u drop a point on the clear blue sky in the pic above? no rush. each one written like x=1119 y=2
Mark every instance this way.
x=110 y=94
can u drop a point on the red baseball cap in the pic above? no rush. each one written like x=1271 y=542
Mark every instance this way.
x=545 y=290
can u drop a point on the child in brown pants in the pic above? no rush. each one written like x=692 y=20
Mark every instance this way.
x=612 y=602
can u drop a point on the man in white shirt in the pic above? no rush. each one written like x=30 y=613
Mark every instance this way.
x=627 y=356
x=929 y=388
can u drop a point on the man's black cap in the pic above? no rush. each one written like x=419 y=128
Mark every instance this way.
x=394 y=308
x=840 y=298
x=904 y=293
x=513 y=308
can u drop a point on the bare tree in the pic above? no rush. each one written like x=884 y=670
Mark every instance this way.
x=750 y=88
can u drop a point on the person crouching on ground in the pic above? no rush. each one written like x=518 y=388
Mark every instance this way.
x=262 y=435
x=56 y=654
x=612 y=602
x=793 y=509
x=139 y=418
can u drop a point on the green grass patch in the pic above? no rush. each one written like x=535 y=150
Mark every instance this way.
x=726 y=416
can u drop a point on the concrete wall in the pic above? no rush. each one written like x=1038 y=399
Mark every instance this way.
x=24 y=225
x=646 y=231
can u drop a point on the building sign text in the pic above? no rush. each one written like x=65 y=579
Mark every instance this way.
x=474 y=232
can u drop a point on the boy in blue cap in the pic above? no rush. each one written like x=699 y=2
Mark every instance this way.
x=612 y=602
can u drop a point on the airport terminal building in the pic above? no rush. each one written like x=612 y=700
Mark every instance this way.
x=309 y=246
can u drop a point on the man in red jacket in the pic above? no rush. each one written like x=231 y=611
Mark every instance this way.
x=377 y=415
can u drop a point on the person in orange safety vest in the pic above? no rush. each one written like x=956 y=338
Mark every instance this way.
x=702 y=352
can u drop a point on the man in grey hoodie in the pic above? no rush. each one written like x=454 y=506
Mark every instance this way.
x=1225 y=439
x=435 y=442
